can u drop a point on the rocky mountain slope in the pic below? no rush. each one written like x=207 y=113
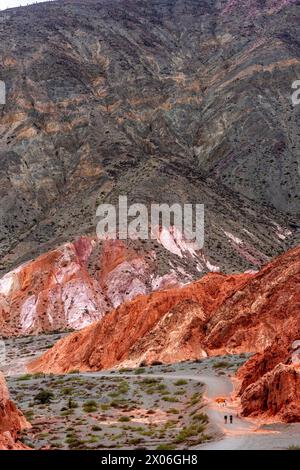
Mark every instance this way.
x=107 y=98
x=152 y=327
x=217 y=315
x=11 y=421
x=74 y=285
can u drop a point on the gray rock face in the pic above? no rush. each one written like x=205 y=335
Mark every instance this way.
x=165 y=101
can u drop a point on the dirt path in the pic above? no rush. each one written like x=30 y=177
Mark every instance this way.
x=242 y=434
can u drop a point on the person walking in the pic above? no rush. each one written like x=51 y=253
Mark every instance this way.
x=225 y=419
x=231 y=419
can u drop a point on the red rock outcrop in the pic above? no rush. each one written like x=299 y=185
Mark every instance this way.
x=11 y=420
x=270 y=324
x=277 y=393
x=270 y=380
x=267 y=306
x=76 y=284
x=216 y=315
x=150 y=327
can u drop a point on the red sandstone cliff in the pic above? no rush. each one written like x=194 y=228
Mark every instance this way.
x=11 y=420
x=270 y=381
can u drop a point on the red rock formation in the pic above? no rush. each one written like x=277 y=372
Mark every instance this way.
x=74 y=285
x=218 y=314
x=181 y=312
x=277 y=393
x=270 y=380
x=11 y=420
x=267 y=306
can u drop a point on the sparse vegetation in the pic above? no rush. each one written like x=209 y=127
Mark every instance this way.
x=221 y=365
x=124 y=419
x=91 y=422
x=90 y=406
x=180 y=382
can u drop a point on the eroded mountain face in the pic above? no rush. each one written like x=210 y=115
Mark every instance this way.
x=231 y=313
x=216 y=315
x=12 y=421
x=165 y=101
x=76 y=284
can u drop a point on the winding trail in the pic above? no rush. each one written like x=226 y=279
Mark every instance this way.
x=242 y=434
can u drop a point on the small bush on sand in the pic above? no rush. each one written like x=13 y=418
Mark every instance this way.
x=43 y=397
x=90 y=406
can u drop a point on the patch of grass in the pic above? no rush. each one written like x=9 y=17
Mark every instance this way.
x=195 y=399
x=118 y=403
x=24 y=377
x=180 y=382
x=123 y=387
x=166 y=447
x=221 y=364
x=161 y=387
x=72 y=404
x=43 y=397
x=29 y=414
x=135 y=441
x=202 y=417
x=140 y=370
x=124 y=419
x=170 y=399
x=66 y=413
x=149 y=381
x=104 y=406
x=90 y=406
x=188 y=432
x=96 y=428
x=173 y=411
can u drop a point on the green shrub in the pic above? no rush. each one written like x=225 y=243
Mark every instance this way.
x=165 y=447
x=43 y=397
x=189 y=431
x=24 y=377
x=96 y=428
x=221 y=364
x=104 y=406
x=180 y=382
x=202 y=417
x=170 y=399
x=173 y=411
x=90 y=406
x=124 y=419
x=72 y=404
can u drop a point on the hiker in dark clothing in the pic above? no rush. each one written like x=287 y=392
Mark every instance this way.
x=230 y=419
x=225 y=419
